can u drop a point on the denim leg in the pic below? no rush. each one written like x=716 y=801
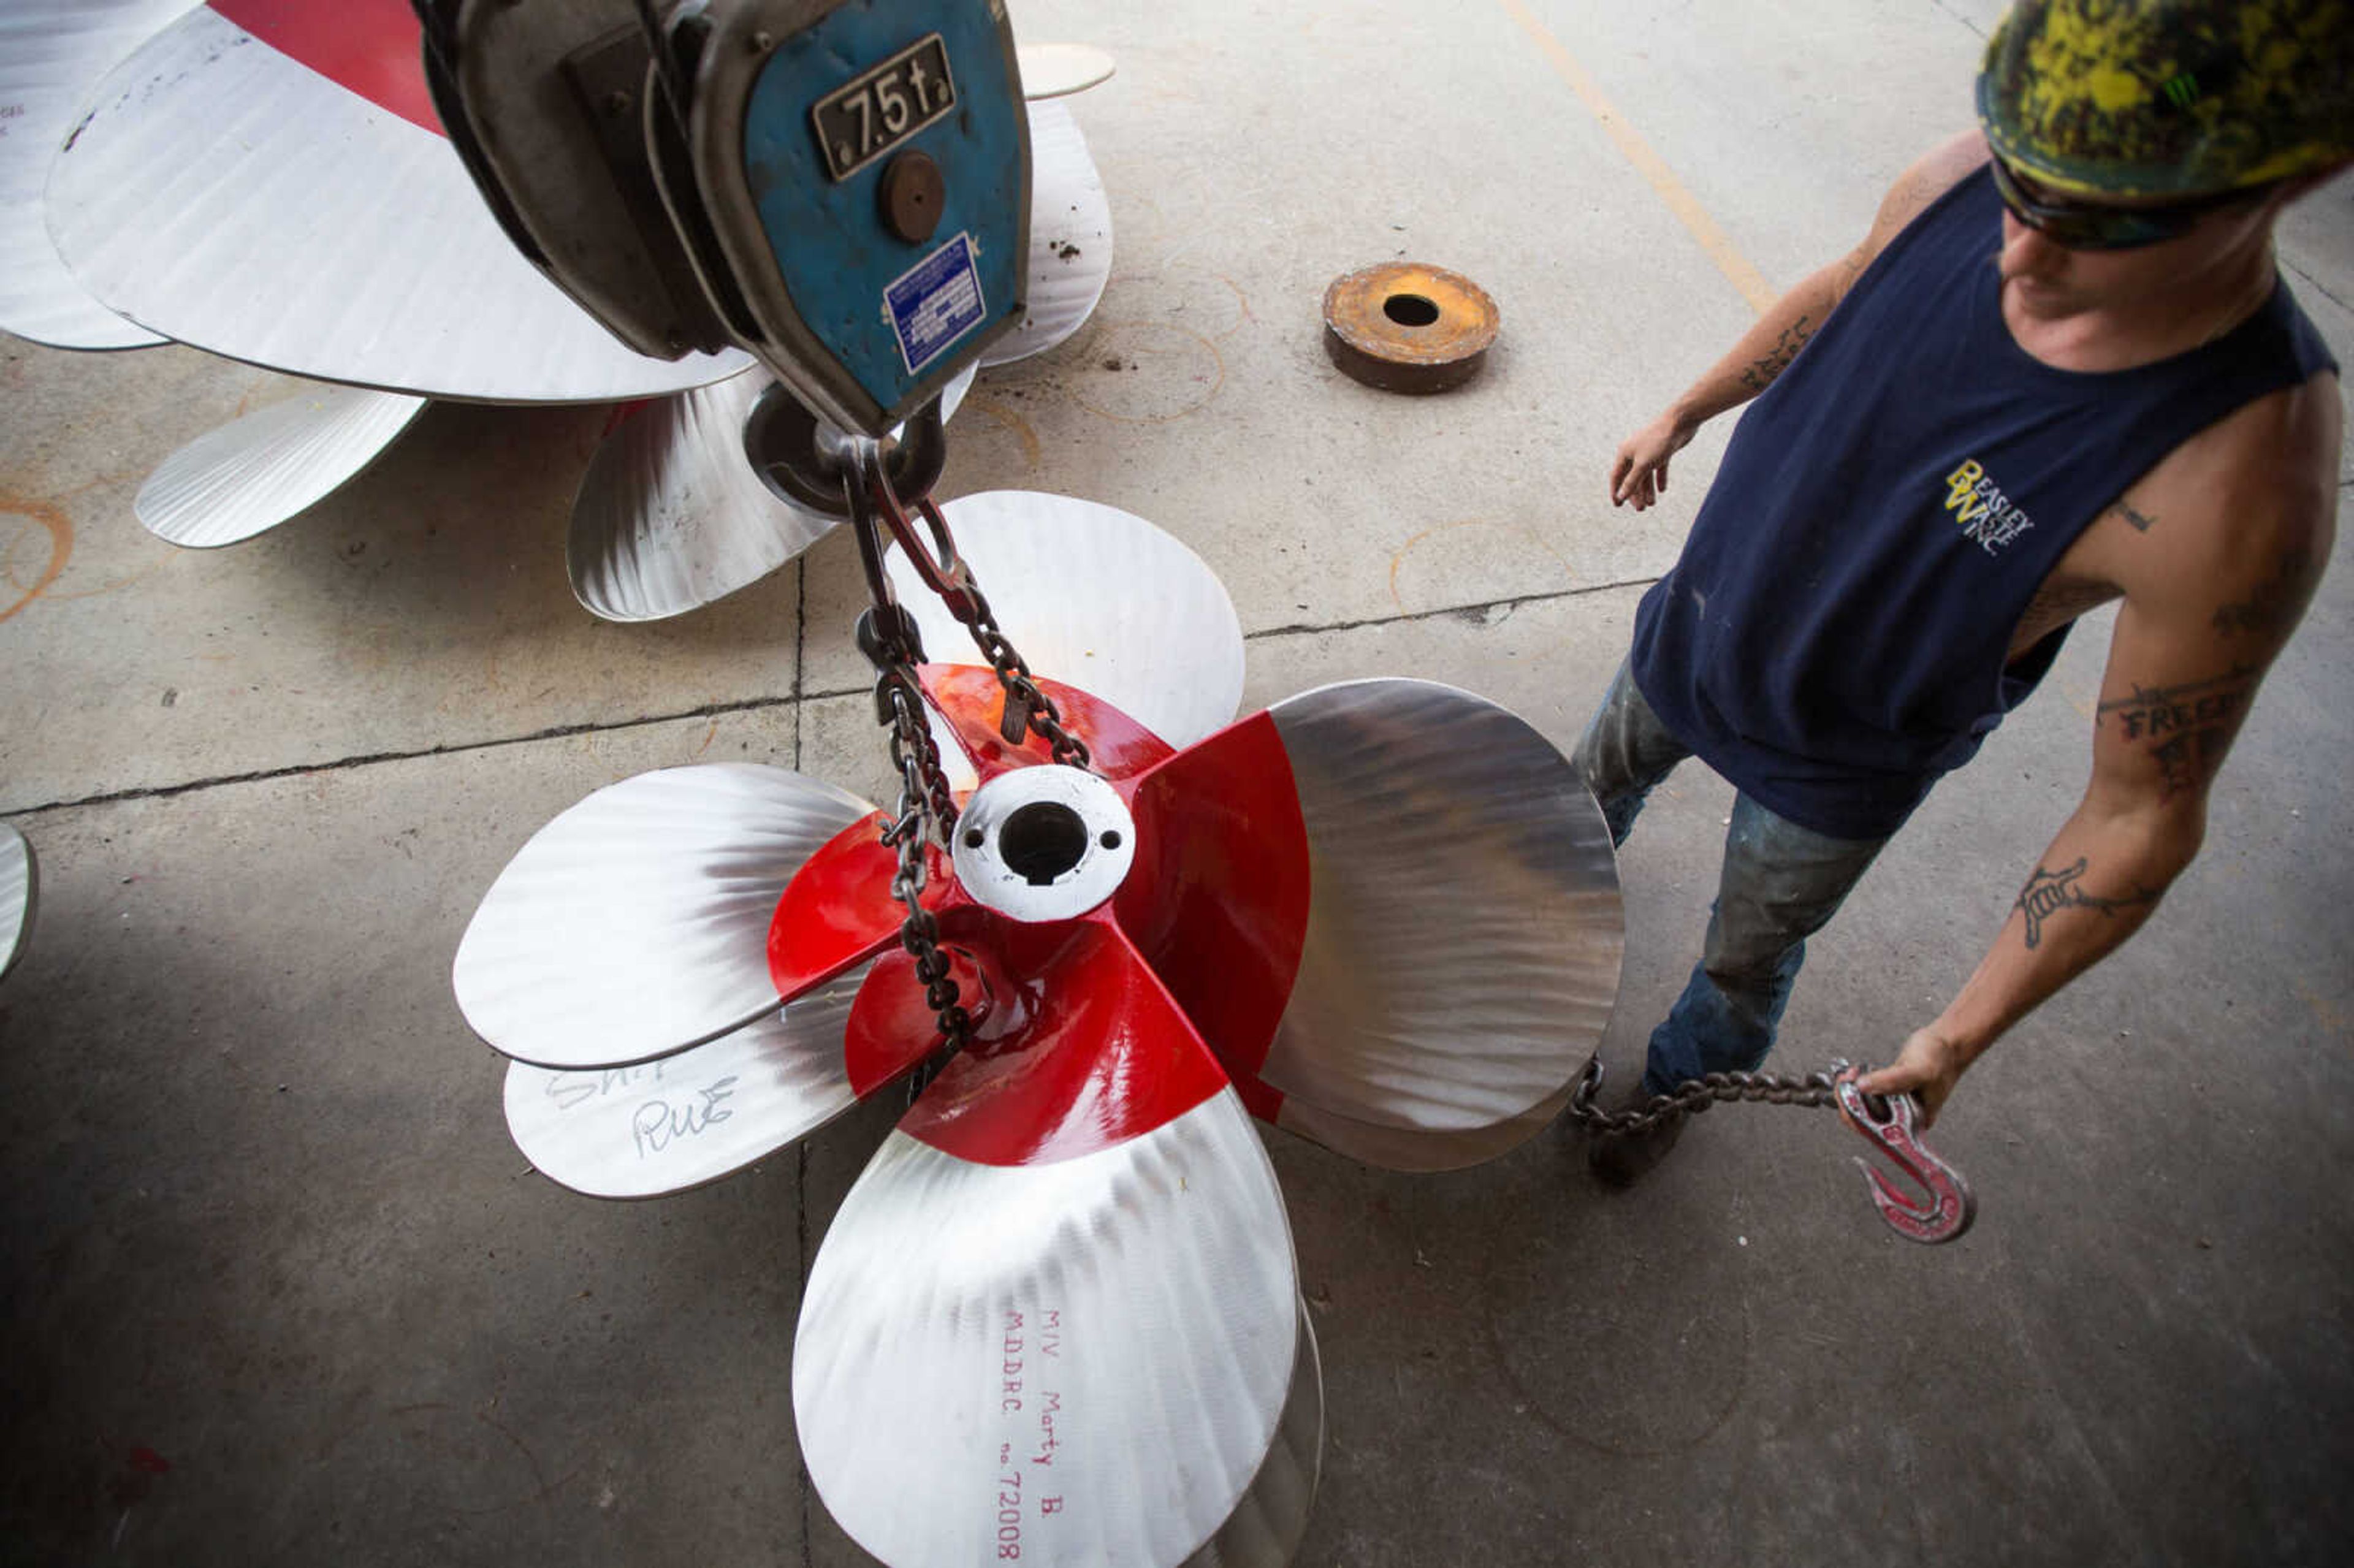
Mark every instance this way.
x=1781 y=883
x=1624 y=752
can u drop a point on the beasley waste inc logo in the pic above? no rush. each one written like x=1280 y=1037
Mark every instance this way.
x=1986 y=515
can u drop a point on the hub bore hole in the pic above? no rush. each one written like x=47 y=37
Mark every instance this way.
x=1043 y=841
x=1410 y=309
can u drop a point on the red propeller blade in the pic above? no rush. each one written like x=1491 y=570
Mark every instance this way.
x=971 y=701
x=373 y=48
x=1218 y=901
x=1101 y=1056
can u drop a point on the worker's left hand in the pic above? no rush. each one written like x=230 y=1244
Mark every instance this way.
x=1928 y=1069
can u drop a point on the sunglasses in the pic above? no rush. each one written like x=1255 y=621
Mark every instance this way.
x=2092 y=225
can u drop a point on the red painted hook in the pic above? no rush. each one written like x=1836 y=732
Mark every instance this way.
x=1887 y=1123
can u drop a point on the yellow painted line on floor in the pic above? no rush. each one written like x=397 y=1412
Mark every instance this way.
x=1650 y=165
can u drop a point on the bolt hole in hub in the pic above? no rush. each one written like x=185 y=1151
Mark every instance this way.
x=1040 y=843
x=1043 y=841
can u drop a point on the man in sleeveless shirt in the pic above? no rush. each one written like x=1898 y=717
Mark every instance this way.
x=2061 y=370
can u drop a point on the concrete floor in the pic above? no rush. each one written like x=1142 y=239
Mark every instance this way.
x=278 y=1288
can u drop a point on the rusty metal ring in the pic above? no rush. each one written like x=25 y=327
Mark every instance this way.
x=1407 y=327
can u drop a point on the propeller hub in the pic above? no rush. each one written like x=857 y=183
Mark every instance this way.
x=1044 y=843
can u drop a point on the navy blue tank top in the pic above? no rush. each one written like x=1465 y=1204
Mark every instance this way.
x=1834 y=637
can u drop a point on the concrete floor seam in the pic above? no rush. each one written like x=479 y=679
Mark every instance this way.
x=793 y=700
x=2316 y=284
x=800 y=653
x=371 y=759
x=1958 y=17
x=1409 y=617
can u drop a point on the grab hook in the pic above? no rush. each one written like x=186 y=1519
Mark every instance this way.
x=1887 y=1123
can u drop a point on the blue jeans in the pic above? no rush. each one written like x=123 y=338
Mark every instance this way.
x=1781 y=882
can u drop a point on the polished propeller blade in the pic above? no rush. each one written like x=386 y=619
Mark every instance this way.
x=1063 y=1306
x=1465 y=929
x=1416 y=1151
x=671 y=514
x=680 y=1121
x=1098 y=598
x=257 y=472
x=52 y=53
x=20 y=891
x=1265 y=1528
x=1057 y=70
x=266 y=179
x=1070 y=237
x=634 y=925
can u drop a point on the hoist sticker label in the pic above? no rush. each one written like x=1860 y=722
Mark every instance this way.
x=935 y=302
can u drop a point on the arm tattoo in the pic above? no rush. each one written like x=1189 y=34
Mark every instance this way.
x=2187 y=728
x=2273 y=605
x=2049 y=891
x=1794 y=337
x=2140 y=520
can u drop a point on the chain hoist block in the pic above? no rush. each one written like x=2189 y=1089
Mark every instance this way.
x=547 y=102
x=842 y=186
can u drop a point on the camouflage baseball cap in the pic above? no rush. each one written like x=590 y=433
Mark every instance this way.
x=2170 y=98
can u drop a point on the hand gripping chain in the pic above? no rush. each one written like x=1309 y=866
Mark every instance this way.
x=1887 y=1122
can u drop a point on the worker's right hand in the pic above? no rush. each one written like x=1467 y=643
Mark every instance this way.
x=1641 y=474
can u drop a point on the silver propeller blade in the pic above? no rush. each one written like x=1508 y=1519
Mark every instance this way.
x=256 y=471
x=1070 y=237
x=1095 y=598
x=636 y=924
x=20 y=893
x=1056 y=70
x=1265 y=1529
x=1090 y=1359
x=221 y=193
x=1465 y=929
x=52 y=52
x=671 y=515
x=680 y=1121
x=1415 y=1150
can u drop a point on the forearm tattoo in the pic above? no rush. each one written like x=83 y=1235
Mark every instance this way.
x=1756 y=375
x=2049 y=891
x=2140 y=520
x=2185 y=728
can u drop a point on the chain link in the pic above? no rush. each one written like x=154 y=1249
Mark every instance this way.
x=926 y=813
x=1695 y=1094
x=1028 y=709
x=1022 y=697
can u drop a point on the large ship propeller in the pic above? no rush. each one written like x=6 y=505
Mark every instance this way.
x=1062 y=1299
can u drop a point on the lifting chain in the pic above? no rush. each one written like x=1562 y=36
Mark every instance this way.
x=926 y=812
x=1028 y=710
x=1696 y=1094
